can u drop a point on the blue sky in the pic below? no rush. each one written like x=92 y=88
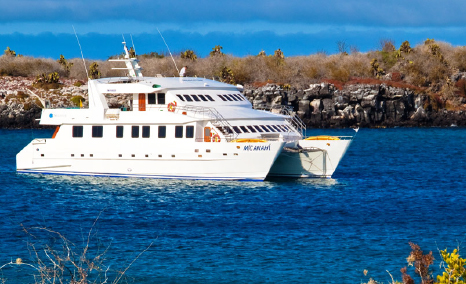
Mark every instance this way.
x=298 y=27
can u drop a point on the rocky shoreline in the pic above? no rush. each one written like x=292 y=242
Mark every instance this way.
x=320 y=106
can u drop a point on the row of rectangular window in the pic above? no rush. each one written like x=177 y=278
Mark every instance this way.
x=98 y=131
x=261 y=128
x=197 y=98
x=231 y=97
x=205 y=98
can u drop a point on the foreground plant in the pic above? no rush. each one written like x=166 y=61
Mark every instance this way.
x=61 y=261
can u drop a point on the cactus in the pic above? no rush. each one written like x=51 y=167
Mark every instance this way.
x=217 y=50
x=227 y=76
x=429 y=41
x=262 y=54
x=10 y=52
x=406 y=47
x=279 y=54
x=94 y=72
x=188 y=54
x=377 y=71
x=65 y=64
x=132 y=52
x=48 y=78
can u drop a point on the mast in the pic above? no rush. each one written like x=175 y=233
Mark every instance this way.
x=132 y=64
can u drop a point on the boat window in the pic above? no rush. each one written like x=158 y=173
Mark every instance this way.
x=287 y=128
x=269 y=127
x=245 y=130
x=237 y=97
x=188 y=98
x=252 y=128
x=228 y=98
x=241 y=97
x=151 y=99
x=237 y=129
x=119 y=131
x=258 y=128
x=145 y=131
x=97 y=131
x=135 y=131
x=77 y=131
x=195 y=98
x=274 y=127
x=203 y=98
x=189 y=131
x=223 y=99
x=178 y=131
x=181 y=98
x=161 y=98
x=233 y=97
x=229 y=129
x=265 y=128
x=210 y=98
x=162 y=131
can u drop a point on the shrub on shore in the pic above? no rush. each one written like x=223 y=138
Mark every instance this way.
x=429 y=65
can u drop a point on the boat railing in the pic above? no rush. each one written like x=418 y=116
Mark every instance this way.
x=292 y=118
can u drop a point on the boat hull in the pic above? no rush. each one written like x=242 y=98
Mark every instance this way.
x=310 y=159
x=218 y=161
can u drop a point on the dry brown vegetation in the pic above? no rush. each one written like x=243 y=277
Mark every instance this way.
x=427 y=67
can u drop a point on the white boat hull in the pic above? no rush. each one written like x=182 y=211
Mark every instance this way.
x=220 y=161
x=310 y=159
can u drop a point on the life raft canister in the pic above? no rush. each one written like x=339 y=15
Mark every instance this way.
x=216 y=138
x=172 y=106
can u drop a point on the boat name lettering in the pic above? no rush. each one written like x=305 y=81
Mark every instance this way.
x=111 y=90
x=256 y=148
x=56 y=115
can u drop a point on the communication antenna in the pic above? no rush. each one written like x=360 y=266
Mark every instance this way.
x=169 y=51
x=82 y=56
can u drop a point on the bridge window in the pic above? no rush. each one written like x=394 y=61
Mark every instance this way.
x=245 y=130
x=236 y=129
x=195 y=98
x=258 y=128
x=188 y=98
x=161 y=98
x=151 y=99
x=210 y=98
x=180 y=97
x=202 y=98
x=228 y=98
x=223 y=99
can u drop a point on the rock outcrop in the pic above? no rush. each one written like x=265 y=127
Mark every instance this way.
x=319 y=106
x=323 y=105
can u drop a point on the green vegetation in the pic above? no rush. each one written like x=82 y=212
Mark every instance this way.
x=65 y=64
x=188 y=54
x=94 y=72
x=47 y=81
x=77 y=100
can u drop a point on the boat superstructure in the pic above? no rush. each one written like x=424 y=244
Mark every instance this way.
x=180 y=127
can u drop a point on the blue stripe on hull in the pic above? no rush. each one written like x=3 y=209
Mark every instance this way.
x=136 y=176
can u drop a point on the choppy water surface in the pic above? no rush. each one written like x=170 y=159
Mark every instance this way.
x=393 y=186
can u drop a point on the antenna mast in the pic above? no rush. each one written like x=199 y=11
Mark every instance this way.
x=82 y=56
x=169 y=51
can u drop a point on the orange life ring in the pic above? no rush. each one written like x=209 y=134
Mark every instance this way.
x=171 y=106
x=216 y=138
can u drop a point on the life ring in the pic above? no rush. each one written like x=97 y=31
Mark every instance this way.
x=216 y=138
x=171 y=106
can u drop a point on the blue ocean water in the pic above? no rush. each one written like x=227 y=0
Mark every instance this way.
x=394 y=186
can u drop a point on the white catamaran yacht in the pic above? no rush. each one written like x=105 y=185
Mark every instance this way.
x=182 y=128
